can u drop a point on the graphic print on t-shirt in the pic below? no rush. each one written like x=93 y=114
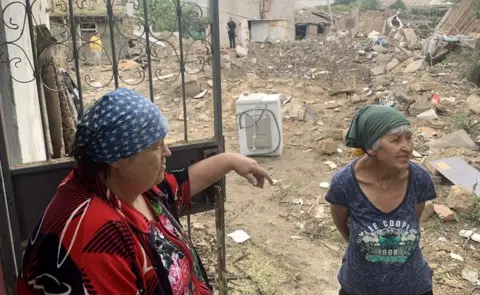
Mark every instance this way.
x=390 y=241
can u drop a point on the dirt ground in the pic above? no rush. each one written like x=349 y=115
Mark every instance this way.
x=294 y=246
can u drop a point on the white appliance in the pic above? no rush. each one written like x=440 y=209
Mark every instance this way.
x=259 y=124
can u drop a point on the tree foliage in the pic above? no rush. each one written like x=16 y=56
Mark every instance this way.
x=343 y=2
x=399 y=4
x=370 y=5
x=163 y=17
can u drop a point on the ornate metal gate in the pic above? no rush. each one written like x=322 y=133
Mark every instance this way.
x=153 y=46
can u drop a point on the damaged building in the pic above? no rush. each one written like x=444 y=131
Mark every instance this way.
x=258 y=21
x=310 y=24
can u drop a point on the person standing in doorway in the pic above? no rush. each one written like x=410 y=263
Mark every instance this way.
x=231 y=26
x=96 y=47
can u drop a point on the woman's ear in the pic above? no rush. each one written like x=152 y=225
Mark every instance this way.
x=120 y=164
x=370 y=152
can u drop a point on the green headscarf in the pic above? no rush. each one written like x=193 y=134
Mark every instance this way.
x=371 y=123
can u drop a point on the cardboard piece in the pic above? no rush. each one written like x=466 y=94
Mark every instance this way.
x=459 y=172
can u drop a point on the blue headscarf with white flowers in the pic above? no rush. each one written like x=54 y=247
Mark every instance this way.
x=119 y=125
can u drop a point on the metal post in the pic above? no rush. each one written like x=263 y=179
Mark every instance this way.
x=36 y=74
x=10 y=249
x=216 y=70
x=218 y=131
x=182 y=68
x=111 y=24
x=220 y=227
x=73 y=32
x=146 y=30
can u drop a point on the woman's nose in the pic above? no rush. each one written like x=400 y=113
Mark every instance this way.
x=166 y=152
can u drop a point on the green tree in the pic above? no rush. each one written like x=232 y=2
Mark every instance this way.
x=344 y=2
x=399 y=4
x=163 y=17
x=370 y=5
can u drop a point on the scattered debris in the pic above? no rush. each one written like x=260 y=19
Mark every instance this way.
x=421 y=86
x=239 y=236
x=459 y=173
x=473 y=102
x=471 y=276
x=242 y=51
x=460 y=199
x=458 y=139
x=465 y=233
x=413 y=66
x=392 y=64
x=444 y=212
x=330 y=164
x=327 y=147
x=428 y=115
x=380 y=70
x=428 y=132
x=456 y=256
x=198 y=226
x=324 y=185
x=201 y=94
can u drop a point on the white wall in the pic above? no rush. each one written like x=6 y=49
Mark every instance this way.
x=250 y=10
x=25 y=123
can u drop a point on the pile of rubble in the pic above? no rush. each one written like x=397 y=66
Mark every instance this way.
x=305 y=59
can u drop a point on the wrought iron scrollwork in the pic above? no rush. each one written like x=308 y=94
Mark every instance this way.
x=168 y=56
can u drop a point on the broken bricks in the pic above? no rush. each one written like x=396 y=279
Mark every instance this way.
x=444 y=212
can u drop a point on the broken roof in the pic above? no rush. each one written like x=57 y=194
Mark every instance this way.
x=459 y=19
x=307 y=16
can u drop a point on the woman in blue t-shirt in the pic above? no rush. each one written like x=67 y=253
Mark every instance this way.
x=376 y=204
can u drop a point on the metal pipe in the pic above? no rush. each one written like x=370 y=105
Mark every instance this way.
x=220 y=228
x=111 y=23
x=10 y=249
x=36 y=74
x=216 y=70
x=73 y=32
x=146 y=30
x=182 y=69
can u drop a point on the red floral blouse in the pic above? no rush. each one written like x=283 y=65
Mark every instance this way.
x=93 y=243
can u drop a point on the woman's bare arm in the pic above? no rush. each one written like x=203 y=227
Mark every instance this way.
x=419 y=209
x=340 y=218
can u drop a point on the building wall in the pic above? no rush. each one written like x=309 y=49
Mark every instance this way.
x=20 y=100
x=280 y=10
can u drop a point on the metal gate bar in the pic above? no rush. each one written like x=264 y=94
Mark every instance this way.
x=10 y=250
x=218 y=132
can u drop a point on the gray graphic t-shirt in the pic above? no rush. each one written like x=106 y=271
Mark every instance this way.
x=383 y=255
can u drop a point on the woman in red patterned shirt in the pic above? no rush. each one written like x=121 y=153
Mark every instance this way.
x=112 y=227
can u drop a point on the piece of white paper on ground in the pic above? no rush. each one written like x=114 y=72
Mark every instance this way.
x=239 y=236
